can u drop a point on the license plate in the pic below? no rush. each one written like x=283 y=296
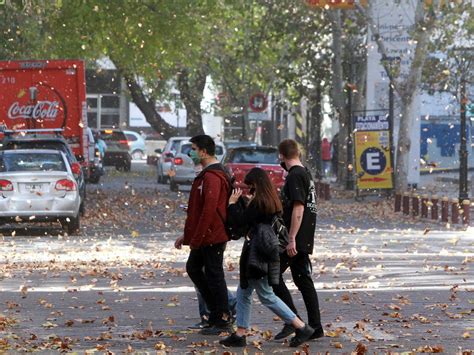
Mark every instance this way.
x=33 y=187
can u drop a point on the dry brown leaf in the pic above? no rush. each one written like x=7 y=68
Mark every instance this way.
x=360 y=349
x=160 y=346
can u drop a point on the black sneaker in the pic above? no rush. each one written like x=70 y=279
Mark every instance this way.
x=201 y=325
x=287 y=330
x=234 y=340
x=216 y=329
x=301 y=336
x=318 y=333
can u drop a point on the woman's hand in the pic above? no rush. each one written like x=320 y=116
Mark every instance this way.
x=236 y=193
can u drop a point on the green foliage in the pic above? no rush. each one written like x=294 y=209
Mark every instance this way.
x=452 y=48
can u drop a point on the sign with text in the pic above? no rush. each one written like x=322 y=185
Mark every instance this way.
x=372 y=152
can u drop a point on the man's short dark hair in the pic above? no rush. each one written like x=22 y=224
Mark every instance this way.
x=204 y=142
x=289 y=149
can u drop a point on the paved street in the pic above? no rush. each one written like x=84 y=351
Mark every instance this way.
x=385 y=283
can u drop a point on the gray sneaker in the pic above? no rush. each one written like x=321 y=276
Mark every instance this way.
x=201 y=325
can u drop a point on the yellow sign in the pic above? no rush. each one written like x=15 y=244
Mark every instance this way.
x=336 y=4
x=373 y=163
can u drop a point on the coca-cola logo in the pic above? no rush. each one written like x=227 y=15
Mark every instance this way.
x=46 y=110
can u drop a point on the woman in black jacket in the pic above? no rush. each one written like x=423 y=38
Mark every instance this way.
x=259 y=261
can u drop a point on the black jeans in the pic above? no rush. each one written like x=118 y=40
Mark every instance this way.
x=206 y=270
x=301 y=270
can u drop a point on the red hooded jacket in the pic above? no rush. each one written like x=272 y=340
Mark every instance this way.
x=325 y=149
x=207 y=208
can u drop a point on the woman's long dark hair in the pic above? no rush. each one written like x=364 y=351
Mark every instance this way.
x=266 y=198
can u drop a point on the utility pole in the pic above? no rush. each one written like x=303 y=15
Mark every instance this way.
x=463 y=153
x=464 y=63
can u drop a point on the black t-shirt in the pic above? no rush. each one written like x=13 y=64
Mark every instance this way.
x=299 y=186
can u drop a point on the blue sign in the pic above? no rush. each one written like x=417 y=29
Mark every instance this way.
x=371 y=123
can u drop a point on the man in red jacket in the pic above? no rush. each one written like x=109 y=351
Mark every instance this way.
x=205 y=233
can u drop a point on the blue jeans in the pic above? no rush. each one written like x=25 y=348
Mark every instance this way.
x=266 y=296
x=204 y=310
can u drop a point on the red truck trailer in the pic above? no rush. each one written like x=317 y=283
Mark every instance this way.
x=45 y=96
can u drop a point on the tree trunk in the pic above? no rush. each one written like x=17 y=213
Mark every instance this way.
x=148 y=108
x=315 y=138
x=407 y=89
x=191 y=88
x=338 y=94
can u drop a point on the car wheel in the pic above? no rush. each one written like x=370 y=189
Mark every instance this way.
x=72 y=224
x=127 y=166
x=137 y=155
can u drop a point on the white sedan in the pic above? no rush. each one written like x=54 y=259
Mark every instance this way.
x=37 y=186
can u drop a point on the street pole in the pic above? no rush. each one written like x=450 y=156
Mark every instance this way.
x=463 y=153
x=350 y=144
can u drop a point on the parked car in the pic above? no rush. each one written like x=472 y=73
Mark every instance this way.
x=137 y=145
x=183 y=170
x=163 y=165
x=237 y=144
x=49 y=141
x=38 y=185
x=117 y=153
x=240 y=160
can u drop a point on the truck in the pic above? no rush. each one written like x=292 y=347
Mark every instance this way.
x=47 y=97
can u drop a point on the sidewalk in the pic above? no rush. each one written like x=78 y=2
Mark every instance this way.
x=382 y=285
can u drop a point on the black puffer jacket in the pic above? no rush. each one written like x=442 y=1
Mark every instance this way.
x=260 y=252
x=264 y=256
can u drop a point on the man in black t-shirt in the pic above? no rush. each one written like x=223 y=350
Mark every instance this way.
x=299 y=213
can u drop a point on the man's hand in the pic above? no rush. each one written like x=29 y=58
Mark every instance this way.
x=179 y=242
x=291 y=248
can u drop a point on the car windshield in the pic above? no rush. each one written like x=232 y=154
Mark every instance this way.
x=253 y=156
x=109 y=135
x=185 y=148
x=131 y=137
x=31 y=162
x=175 y=145
x=55 y=145
x=219 y=150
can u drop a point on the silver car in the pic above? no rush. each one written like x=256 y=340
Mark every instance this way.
x=37 y=186
x=163 y=165
x=182 y=170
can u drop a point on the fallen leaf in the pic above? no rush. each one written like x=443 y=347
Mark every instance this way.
x=160 y=346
